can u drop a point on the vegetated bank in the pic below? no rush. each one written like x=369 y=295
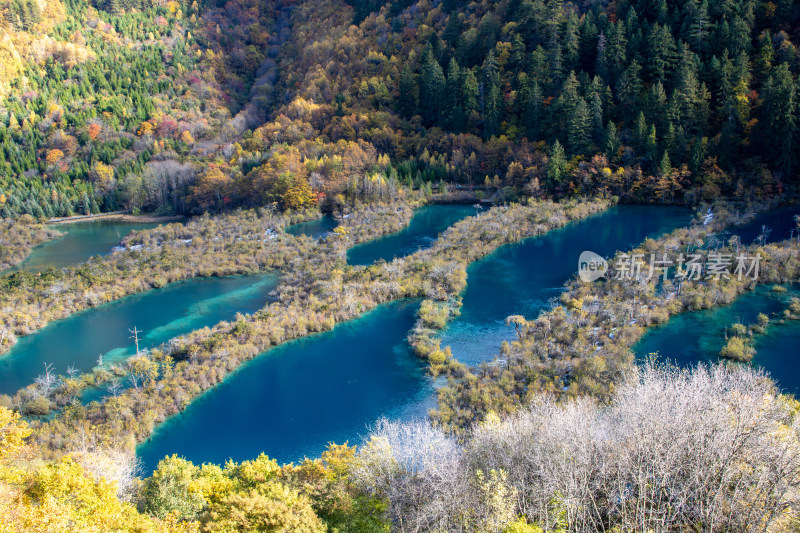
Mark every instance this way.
x=315 y=294
x=242 y=245
x=756 y=328
x=583 y=346
x=80 y=241
x=18 y=237
x=237 y=243
x=92 y=346
x=525 y=277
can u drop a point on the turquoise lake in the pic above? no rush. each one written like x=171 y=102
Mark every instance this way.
x=294 y=399
x=314 y=228
x=425 y=226
x=81 y=241
x=779 y=223
x=160 y=314
x=523 y=278
x=698 y=336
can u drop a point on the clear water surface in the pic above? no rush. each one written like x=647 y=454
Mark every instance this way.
x=81 y=241
x=525 y=277
x=698 y=336
x=426 y=225
x=160 y=314
x=292 y=400
x=314 y=228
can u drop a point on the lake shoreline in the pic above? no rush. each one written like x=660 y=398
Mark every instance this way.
x=118 y=216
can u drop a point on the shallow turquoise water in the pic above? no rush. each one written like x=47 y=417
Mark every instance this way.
x=294 y=399
x=314 y=228
x=160 y=314
x=523 y=278
x=426 y=225
x=695 y=337
x=81 y=241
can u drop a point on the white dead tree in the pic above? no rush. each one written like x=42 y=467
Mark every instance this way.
x=712 y=449
x=112 y=463
x=135 y=336
x=47 y=381
x=114 y=388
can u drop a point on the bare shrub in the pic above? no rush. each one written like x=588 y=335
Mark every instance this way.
x=417 y=468
x=114 y=464
x=714 y=448
x=709 y=449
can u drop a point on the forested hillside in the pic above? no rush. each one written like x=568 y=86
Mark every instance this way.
x=183 y=107
x=672 y=95
x=119 y=104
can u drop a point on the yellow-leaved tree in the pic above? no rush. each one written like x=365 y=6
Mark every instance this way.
x=247 y=496
x=61 y=496
x=299 y=195
x=54 y=156
x=13 y=431
x=211 y=188
x=102 y=175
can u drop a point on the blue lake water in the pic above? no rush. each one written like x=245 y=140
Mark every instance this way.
x=426 y=225
x=523 y=278
x=314 y=228
x=292 y=400
x=697 y=337
x=160 y=314
x=81 y=241
x=779 y=222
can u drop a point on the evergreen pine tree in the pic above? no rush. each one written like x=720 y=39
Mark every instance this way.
x=492 y=98
x=407 y=89
x=469 y=93
x=629 y=89
x=698 y=154
x=556 y=165
x=452 y=31
x=780 y=106
x=566 y=102
x=612 y=144
x=532 y=102
x=640 y=134
x=454 y=114
x=433 y=87
x=579 y=134
x=664 y=167
x=651 y=144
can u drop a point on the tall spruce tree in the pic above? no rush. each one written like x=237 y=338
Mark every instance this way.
x=780 y=110
x=433 y=89
x=408 y=91
x=579 y=134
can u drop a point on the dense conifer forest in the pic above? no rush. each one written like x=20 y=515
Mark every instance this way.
x=180 y=108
